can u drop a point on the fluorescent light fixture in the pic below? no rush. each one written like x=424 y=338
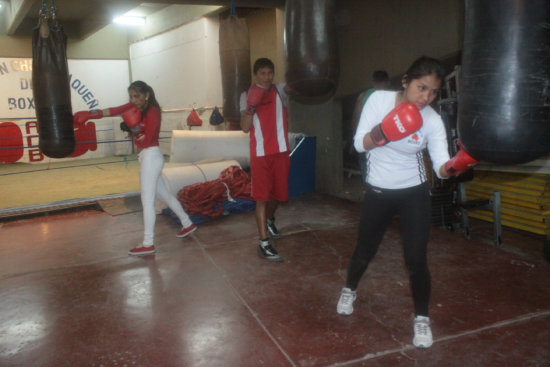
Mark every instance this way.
x=130 y=20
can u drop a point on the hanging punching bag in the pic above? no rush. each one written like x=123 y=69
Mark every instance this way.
x=311 y=51
x=51 y=90
x=235 y=66
x=504 y=84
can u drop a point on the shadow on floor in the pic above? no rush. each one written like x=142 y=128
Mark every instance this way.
x=71 y=296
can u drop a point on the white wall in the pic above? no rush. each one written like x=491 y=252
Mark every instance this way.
x=169 y=18
x=183 y=67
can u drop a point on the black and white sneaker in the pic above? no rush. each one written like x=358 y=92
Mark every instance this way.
x=268 y=252
x=271 y=229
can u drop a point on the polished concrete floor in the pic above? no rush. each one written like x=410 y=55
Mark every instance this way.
x=71 y=296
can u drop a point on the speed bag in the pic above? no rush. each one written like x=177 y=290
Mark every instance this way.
x=51 y=90
x=311 y=52
x=504 y=94
x=235 y=65
x=193 y=119
x=216 y=117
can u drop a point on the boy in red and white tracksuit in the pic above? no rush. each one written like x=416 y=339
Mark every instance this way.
x=263 y=114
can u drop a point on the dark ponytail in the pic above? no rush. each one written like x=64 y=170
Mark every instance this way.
x=144 y=88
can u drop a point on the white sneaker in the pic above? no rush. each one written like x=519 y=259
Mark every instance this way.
x=422 y=332
x=345 y=303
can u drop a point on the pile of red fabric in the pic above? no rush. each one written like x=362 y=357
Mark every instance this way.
x=206 y=198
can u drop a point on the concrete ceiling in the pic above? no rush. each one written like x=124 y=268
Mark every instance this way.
x=82 y=18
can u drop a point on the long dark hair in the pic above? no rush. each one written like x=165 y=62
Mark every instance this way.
x=144 y=88
x=424 y=66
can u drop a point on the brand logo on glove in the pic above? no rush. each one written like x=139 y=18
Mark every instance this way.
x=398 y=124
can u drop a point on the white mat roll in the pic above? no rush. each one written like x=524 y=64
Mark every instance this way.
x=176 y=177
x=197 y=145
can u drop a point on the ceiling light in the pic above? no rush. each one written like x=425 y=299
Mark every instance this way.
x=130 y=20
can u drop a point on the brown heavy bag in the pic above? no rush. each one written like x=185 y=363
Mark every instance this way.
x=312 y=61
x=235 y=66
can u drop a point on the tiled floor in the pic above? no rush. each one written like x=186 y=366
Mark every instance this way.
x=71 y=296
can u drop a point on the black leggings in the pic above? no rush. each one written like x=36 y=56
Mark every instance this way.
x=377 y=211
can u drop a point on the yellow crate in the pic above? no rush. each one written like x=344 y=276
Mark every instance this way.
x=525 y=199
x=512 y=199
x=488 y=216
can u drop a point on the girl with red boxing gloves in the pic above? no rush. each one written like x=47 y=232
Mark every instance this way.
x=142 y=115
x=393 y=130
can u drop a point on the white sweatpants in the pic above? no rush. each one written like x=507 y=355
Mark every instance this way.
x=151 y=183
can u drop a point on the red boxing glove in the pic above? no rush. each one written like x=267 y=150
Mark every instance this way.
x=402 y=121
x=460 y=163
x=81 y=117
x=255 y=95
x=132 y=118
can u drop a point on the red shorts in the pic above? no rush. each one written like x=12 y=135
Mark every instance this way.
x=270 y=177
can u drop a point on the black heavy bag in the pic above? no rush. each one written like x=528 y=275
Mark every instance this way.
x=504 y=85
x=235 y=66
x=51 y=90
x=312 y=64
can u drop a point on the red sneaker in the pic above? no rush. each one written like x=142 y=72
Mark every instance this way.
x=142 y=250
x=184 y=232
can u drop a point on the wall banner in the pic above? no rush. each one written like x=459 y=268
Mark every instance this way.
x=95 y=84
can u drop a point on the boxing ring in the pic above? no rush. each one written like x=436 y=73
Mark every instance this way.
x=193 y=156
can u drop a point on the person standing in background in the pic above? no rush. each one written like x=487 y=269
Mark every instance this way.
x=263 y=114
x=380 y=81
